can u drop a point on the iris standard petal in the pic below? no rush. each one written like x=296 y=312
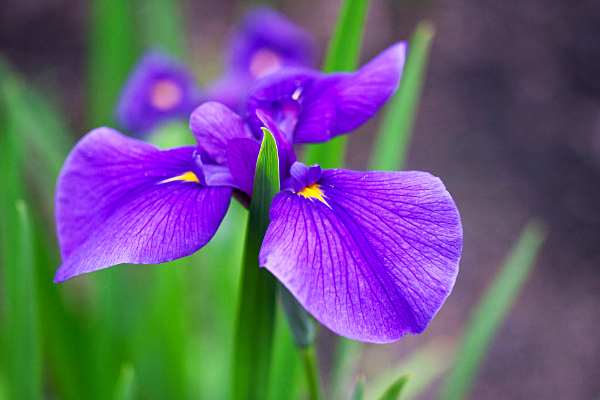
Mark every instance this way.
x=339 y=103
x=371 y=255
x=159 y=89
x=121 y=200
x=214 y=125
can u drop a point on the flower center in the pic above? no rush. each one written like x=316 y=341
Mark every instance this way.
x=165 y=95
x=313 y=192
x=264 y=62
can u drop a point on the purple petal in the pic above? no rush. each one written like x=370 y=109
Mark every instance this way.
x=298 y=173
x=373 y=261
x=117 y=202
x=283 y=141
x=281 y=95
x=339 y=103
x=243 y=154
x=313 y=174
x=159 y=89
x=230 y=90
x=214 y=125
x=264 y=41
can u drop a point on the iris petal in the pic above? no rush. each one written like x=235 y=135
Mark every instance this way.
x=214 y=125
x=160 y=88
x=115 y=203
x=374 y=263
x=339 y=103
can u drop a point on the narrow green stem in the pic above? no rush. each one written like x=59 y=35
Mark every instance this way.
x=311 y=371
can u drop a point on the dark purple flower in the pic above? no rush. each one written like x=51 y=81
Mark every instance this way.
x=263 y=42
x=159 y=89
x=121 y=200
x=308 y=106
x=371 y=255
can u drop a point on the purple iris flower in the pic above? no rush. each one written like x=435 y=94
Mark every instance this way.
x=371 y=255
x=263 y=42
x=159 y=89
x=308 y=106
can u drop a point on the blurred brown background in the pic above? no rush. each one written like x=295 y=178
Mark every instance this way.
x=509 y=119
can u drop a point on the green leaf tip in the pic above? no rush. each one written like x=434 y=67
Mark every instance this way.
x=359 y=389
x=491 y=311
x=393 y=392
x=393 y=139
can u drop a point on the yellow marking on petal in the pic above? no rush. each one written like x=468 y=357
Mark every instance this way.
x=166 y=94
x=314 y=192
x=187 y=177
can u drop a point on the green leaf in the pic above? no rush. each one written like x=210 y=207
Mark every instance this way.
x=359 y=390
x=394 y=136
x=299 y=320
x=347 y=353
x=286 y=379
x=393 y=392
x=126 y=385
x=161 y=25
x=258 y=287
x=342 y=55
x=111 y=57
x=492 y=310
x=425 y=365
x=21 y=320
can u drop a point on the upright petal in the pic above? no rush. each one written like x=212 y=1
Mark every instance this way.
x=281 y=95
x=121 y=200
x=339 y=103
x=160 y=88
x=371 y=255
x=214 y=125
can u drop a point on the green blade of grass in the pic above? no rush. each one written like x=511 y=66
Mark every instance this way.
x=393 y=392
x=126 y=385
x=342 y=55
x=285 y=365
x=256 y=310
x=359 y=390
x=424 y=366
x=161 y=25
x=112 y=54
x=391 y=146
x=21 y=320
x=492 y=310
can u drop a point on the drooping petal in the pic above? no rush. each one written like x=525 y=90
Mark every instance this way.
x=159 y=89
x=121 y=200
x=371 y=255
x=214 y=125
x=339 y=103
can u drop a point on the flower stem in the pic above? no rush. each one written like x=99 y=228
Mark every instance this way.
x=311 y=371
